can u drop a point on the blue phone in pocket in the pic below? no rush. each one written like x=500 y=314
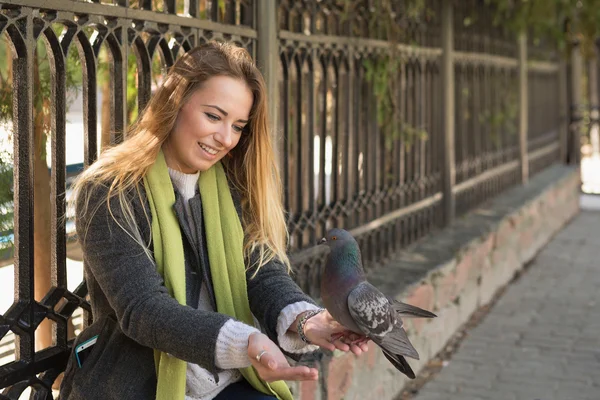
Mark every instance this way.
x=83 y=350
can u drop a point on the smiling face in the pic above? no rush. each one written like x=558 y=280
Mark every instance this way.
x=209 y=125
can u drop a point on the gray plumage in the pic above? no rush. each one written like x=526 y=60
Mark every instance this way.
x=360 y=306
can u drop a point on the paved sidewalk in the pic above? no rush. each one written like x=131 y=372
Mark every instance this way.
x=541 y=341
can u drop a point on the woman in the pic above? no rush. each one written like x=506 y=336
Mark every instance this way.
x=184 y=242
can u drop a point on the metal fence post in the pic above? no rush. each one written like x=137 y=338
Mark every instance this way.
x=523 y=108
x=563 y=104
x=448 y=106
x=268 y=57
x=592 y=71
x=23 y=150
x=573 y=140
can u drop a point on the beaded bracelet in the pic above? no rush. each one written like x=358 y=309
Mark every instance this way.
x=302 y=321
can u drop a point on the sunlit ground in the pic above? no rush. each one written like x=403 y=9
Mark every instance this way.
x=590 y=174
x=590 y=162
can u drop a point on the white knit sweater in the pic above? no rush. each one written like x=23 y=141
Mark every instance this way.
x=232 y=342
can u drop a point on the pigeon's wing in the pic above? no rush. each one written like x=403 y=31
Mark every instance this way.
x=408 y=311
x=375 y=316
x=399 y=362
x=371 y=311
x=398 y=343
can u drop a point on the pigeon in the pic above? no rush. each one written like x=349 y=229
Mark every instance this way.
x=361 y=307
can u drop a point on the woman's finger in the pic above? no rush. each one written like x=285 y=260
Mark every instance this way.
x=299 y=373
x=356 y=349
x=268 y=360
x=341 y=345
x=325 y=344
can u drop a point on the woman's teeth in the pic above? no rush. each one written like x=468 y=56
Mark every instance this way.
x=208 y=149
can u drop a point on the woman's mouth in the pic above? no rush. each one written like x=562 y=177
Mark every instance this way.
x=207 y=149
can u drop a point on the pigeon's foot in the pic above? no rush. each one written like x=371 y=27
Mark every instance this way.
x=360 y=340
x=339 y=335
x=349 y=337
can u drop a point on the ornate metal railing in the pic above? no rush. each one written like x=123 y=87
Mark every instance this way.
x=339 y=167
x=122 y=29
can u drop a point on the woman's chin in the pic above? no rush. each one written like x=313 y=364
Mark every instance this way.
x=205 y=165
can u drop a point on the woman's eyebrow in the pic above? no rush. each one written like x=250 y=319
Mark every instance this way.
x=225 y=113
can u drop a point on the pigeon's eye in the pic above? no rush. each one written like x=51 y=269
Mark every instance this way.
x=334 y=238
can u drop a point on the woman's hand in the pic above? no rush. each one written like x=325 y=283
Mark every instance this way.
x=273 y=365
x=321 y=328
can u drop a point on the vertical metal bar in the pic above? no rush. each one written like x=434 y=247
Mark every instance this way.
x=410 y=120
x=576 y=105
x=190 y=7
x=169 y=6
x=523 y=105
x=144 y=76
x=593 y=94
x=298 y=138
x=340 y=74
x=267 y=55
x=351 y=115
x=321 y=107
x=360 y=105
x=475 y=132
x=423 y=111
x=460 y=98
x=145 y=4
x=23 y=182
x=501 y=130
x=333 y=74
x=58 y=246
x=404 y=104
x=214 y=11
x=247 y=15
x=563 y=125
x=119 y=77
x=448 y=85
x=366 y=110
x=373 y=157
x=312 y=127
x=285 y=115
x=90 y=117
x=230 y=12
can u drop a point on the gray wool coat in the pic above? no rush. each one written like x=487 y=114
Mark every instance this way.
x=133 y=313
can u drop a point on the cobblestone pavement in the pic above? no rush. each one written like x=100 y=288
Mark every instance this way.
x=541 y=341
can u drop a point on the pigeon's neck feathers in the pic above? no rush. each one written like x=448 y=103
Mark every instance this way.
x=348 y=259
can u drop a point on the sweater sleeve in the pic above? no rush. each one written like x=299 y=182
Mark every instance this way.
x=135 y=290
x=232 y=345
x=288 y=340
x=270 y=291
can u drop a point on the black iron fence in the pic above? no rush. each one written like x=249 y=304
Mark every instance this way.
x=500 y=123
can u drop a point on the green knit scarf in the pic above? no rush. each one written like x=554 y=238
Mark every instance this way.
x=224 y=237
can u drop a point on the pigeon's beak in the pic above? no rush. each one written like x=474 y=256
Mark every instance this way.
x=323 y=241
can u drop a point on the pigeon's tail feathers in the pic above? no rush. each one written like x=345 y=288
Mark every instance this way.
x=397 y=342
x=400 y=363
x=408 y=311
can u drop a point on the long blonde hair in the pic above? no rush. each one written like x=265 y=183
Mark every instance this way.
x=251 y=167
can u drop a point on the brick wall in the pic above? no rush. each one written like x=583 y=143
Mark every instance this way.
x=452 y=272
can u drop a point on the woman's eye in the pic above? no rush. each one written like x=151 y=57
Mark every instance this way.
x=212 y=117
x=238 y=129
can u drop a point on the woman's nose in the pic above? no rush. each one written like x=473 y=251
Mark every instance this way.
x=224 y=136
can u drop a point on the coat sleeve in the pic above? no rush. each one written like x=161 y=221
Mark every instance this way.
x=135 y=290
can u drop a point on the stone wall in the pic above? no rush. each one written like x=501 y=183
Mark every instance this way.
x=452 y=272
